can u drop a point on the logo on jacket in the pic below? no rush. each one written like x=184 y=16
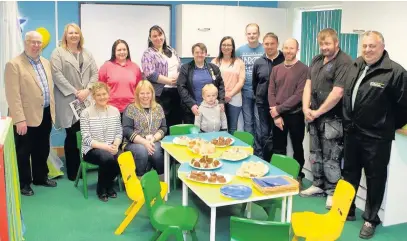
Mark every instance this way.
x=377 y=84
x=329 y=67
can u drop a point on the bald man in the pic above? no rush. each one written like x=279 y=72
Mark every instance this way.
x=374 y=106
x=29 y=94
x=287 y=81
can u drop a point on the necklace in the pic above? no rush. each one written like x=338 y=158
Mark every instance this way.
x=149 y=121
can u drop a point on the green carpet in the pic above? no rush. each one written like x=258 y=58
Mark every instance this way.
x=63 y=214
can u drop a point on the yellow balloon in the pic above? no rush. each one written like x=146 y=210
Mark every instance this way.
x=46 y=36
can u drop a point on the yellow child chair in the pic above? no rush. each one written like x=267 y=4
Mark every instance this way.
x=133 y=189
x=329 y=226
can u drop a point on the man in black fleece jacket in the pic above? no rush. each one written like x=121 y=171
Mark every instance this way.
x=261 y=75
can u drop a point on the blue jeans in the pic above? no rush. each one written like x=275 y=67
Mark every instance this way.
x=145 y=162
x=232 y=114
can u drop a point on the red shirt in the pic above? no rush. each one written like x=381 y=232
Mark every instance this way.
x=122 y=81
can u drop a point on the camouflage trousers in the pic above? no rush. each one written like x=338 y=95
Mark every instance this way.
x=326 y=152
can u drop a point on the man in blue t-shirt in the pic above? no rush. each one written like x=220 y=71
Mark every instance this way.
x=249 y=53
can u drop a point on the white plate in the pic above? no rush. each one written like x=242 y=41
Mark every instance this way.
x=233 y=141
x=228 y=178
x=178 y=141
x=266 y=170
x=244 y=156
x=202 y=168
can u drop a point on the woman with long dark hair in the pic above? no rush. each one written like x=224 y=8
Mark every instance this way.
x=233 y=75
x=121 y=75
x=161 y=65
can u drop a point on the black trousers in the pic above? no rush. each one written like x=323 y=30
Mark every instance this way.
x=263 y=140
x=72 y=159
x=373 y=155
x=171 y=103
x=35 y=144
x=188 y=117
x=108 y=167
x=295 y=125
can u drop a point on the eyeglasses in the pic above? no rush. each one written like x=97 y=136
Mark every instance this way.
x=33 y=42
x=227 y=45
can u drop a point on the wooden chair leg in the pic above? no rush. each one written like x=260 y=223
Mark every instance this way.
x=130 y=216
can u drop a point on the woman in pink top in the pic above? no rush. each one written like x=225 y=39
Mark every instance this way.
x=121 y=75
x=233 y=74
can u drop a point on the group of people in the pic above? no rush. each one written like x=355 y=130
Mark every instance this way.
x=351 y=109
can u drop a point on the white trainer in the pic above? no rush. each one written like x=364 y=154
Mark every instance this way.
x=328 y=203
x=312 y=191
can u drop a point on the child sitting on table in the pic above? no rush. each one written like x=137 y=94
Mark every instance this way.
x=211 y=118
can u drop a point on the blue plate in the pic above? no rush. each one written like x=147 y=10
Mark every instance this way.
x=236 y=191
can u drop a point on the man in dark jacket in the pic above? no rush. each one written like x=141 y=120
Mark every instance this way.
x=261 y=75
x=374 y=106
x=322 y=109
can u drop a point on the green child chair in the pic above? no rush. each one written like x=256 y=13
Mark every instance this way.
x=286 y=164
x=182 y=129
x=246 y=137
x=242 y=229
x=166 y=220
x=85 y=166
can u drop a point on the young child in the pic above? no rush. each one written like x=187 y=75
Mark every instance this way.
x=210 y=118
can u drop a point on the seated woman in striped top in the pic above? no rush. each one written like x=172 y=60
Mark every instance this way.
x=144 y=126
x=101 y=136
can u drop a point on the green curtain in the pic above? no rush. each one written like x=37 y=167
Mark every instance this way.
x=315 y=21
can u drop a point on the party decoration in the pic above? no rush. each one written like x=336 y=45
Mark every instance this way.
x=46 y=36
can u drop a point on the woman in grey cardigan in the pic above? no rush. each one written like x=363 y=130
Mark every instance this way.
x=74 y=71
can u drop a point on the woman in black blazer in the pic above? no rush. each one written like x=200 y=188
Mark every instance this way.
x=193 y=77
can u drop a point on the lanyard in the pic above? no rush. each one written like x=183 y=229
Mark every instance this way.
x=149 y=122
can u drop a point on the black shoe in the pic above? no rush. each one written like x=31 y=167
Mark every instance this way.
x=111 y=193
x=103 y=197
x=351 y=216
x=26 y=190
x=46 y=183
x=367 y=231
